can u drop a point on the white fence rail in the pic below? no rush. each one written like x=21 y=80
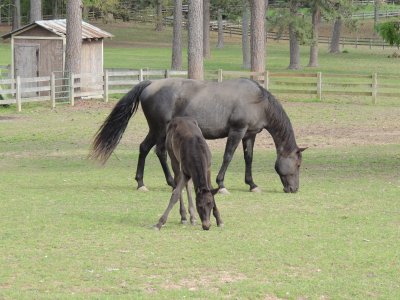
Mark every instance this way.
x=61 y=87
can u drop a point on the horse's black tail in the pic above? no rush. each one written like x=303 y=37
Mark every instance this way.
x=110 y=133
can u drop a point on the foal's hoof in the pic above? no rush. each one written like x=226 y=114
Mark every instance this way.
x=143 y=188
x=156 y=228
x=256 y=190
x=223 y=191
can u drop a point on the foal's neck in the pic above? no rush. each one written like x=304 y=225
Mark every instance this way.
x=279 y=126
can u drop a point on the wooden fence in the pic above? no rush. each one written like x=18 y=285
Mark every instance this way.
x=64 y=88
x=61 y=88
x=344 y=41
x=323 y=85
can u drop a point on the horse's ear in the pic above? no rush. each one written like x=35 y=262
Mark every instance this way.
x=301 y=149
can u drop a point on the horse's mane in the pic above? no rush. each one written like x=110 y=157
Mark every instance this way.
x=279 y=125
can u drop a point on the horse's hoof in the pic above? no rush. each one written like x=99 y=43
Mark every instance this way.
x=143 y=188
x=256 y=190
x=156 y=228
x=184 y=222
x=223 y=191
x=221 y=225
x=193 y=222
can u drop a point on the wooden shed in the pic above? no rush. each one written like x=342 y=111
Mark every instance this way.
x=38 y=49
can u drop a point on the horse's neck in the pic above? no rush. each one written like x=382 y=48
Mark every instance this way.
x=280 y=128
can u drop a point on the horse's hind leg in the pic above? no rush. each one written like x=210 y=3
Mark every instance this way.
x=248 y=146
x=182 y=210
x=234 y=138
x=144 y=149
x=162 y=156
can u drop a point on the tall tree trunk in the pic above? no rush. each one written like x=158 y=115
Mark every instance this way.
x=55 y=9
x=220 y=43
x=335 y=40
x=294 y=49
x=257 y=35
x=74 y=37
x=377 y=4
x=245 y=35
x=36 y=10
x=176 y=63
x=159 y=17
x=195 y=48
x=206 y=29
x=293 y=39
x=16 y=21
x=316 y=19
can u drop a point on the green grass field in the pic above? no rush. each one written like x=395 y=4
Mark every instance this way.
x=72 y=229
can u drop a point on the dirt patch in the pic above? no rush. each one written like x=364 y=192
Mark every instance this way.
x=91 y=104
x=205 y=281
x=8 y=118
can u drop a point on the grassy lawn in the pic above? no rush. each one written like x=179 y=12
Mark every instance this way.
x=70 y=228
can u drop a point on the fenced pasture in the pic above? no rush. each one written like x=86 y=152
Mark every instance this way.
x=71 y=228
x=64 y=88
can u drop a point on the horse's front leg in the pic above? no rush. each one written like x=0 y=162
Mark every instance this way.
x=192 y=210
x=177 y=192
x=162 y=156
x=217 y=216
x=144 y=149
x=248 y=146
x=234 y=137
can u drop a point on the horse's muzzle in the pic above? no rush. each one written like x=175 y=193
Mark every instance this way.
x=206 y=225
x=290 y=189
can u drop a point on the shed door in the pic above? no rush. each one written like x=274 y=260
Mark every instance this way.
x=26 y=61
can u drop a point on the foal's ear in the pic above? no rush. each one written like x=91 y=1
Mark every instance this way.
x=301 y=149
x=214 y=191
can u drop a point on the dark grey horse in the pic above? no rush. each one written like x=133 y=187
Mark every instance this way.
x=237 y=109
x=190 y=160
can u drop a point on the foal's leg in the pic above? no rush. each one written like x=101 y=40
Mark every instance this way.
x=234 y=137
x=144 y=149
x=192 y=211
x=248 y=146
x=162 y=156
x=217 y=216
x=174 y=198
x=176 y=168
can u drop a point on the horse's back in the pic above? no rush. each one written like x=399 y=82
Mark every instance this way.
x=216 y=106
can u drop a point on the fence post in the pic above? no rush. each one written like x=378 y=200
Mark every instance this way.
x=105 y=97
x=71 y=89
x=166 y=73
x=18 y=93
x=53 y=90
x=319 y=86
x=374 y=87
x=266 y=80
x=219 y=75
x=141 y=75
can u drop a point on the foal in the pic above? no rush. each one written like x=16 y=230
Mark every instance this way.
x=190 y=159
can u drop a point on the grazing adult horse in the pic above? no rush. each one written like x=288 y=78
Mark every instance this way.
x=190 y=159
x=237 y=109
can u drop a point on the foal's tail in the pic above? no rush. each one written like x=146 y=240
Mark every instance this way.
x=110 y=133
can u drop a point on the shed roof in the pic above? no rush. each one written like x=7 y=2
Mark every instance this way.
x=59 y=27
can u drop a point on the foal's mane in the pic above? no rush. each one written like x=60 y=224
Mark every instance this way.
x=279 y=125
